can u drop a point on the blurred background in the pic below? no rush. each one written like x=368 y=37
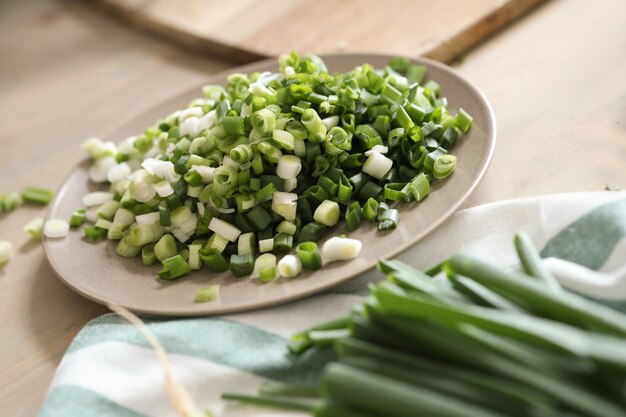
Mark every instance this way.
x=553 y=71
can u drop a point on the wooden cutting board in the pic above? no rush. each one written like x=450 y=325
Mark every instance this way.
x=246 y=30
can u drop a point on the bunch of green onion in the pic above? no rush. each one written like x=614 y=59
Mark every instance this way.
x=271 y=161
x=475 y=341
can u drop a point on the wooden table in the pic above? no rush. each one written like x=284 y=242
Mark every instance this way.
x=555 y=79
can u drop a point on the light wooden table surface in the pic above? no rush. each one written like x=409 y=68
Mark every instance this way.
x=556 y=81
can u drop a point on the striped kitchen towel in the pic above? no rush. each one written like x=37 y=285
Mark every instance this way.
x=109 y=370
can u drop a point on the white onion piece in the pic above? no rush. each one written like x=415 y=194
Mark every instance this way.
x=288 y=167
x=267 y=77
x=290 y=266
x=148 y=218
x=96 y=198
x=189 y=226
x=161 y=169
x=266 y=245
x=180 y=235
x=246 y=110
x=207 y=173
x=190 y=126
x=377 y=148
x=56 y=228
x=227 y=160
x=289 y=71
x=124 y=216
x=259 y=89
x=127 y=146
x=6 y=251
x=92 y=214
x=224 y=229
x=99 y=170
x=201 y=208
x=163 y=188
x=290 y=184
x=288 y=211
x=266 y=260
x=207 y=121
x=225 y=210
x=377 y=165
x=330 y=121
x=189 y=112
x=143 y=189
x=340 y=249
x=118 y=172
x=281 y=197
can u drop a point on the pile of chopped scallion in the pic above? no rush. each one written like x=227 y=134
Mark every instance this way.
x=268 y=164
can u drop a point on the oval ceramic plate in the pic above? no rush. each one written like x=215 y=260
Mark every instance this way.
x=96 y=272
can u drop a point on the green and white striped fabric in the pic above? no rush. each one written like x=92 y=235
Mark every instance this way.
x=109 y=370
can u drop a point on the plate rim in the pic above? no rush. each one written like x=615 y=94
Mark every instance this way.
x=271 y=302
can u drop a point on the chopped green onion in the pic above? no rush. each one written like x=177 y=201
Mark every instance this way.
x=207 y=294
x=340 y=249
x=34 y=228
x=370 y=209
x=37 y=195
x=259 y=217
x=214 y=260
x=432 y=157
x=388 y=220
x=327 y=213
x=216 y=242
x=241 y=265
x=165 y=247
x=420 y=187
x=463 y=120
x=309 y=255
x=444 y=166
x=56 y=228
x=287 y=227
x=123 y=248
x=313 y=123
x=225 y=229
x=288 y=167
x=377 y=165
x=10 y=201
x=78 y=217
x=6 y=252
x=312 y=232
x=266 y=245
x=289 y=266
x=284 y=139
x=94 y=233
x=148 y=256
x=265 y=267
x=103 y=224
x=263 y=120
x=97 y=198
x=194 y=261
x=174 y=267
x=354 y=216
x=282 y=243
x=246 y=244
x=271 y=158
x=108 y=209
x=370 y=190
